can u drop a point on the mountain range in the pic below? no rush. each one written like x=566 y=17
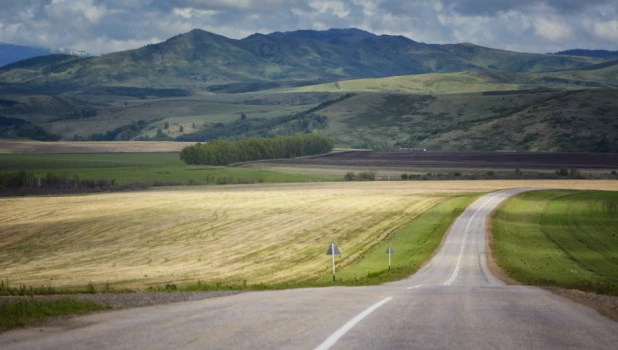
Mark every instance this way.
x=199 y=60
x=364 y=90
x=10 y=53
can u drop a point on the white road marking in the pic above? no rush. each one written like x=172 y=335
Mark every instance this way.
x=330 y=341
x=463 y=243
x=419 y=286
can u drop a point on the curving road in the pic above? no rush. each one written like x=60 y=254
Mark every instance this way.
x=453 y=302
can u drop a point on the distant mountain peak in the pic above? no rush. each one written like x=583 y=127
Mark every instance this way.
x=10 y=53
x=335 y=36
x=198 y=59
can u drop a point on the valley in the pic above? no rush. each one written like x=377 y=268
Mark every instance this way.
x=366 y=91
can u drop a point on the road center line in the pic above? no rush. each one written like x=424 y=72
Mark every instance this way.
x=419 y=286
x=330 y=341
x=463 y=243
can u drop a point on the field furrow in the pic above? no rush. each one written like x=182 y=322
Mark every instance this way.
x=256 y=234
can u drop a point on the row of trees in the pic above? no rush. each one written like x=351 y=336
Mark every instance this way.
x=225 y=153
x=23 y=179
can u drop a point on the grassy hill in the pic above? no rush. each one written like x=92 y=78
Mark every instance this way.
x=603 y=75
x=200 y=59
x=529 y=120
x=199 y=86
x=519 y=120
x=526 y=120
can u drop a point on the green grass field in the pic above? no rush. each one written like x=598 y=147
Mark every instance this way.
x=128 y=168
x=560 y=238
x=12 y=162
x=433 y=83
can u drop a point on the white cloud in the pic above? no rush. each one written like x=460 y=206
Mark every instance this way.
x=607 y=30
x=552 y=30
x=338 y=8
x=102 y=26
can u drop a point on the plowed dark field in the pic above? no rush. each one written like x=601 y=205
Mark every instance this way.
x=476 y=160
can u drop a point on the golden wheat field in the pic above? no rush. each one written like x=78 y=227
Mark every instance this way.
x=257 y=233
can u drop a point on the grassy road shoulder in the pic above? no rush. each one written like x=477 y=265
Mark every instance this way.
x=413 y=245
x=23 y=312
x=560 y=238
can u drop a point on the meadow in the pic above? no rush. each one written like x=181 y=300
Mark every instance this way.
x=560 y=238
x=245 y=234
x=128 y=168
x=432 y=83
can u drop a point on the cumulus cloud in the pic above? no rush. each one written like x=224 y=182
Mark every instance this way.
x=485 y=7
x=552 y=30
x=100 y=26
x=607 y=30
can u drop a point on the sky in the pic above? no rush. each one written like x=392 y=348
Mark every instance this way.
x=102 y=26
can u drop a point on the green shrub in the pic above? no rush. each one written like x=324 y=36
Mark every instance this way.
x=223 y=180
x=367 y=176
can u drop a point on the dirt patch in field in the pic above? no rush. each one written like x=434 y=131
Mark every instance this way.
x=92 y=147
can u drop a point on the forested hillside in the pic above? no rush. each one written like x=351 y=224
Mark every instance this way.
x=200 y=59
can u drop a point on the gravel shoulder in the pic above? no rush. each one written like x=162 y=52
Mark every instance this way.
x=606 y=305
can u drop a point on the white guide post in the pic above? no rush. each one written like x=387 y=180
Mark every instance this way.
x=333 y=255
x=332 y=250
x=389 y=251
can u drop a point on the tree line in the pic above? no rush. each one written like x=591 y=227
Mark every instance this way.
x=22 y=179
x=224 y=153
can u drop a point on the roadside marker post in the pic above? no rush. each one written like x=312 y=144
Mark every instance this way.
x=332 y=251
x=389 y=251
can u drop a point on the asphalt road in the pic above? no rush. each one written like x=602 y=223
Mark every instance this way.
x=453 y=302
